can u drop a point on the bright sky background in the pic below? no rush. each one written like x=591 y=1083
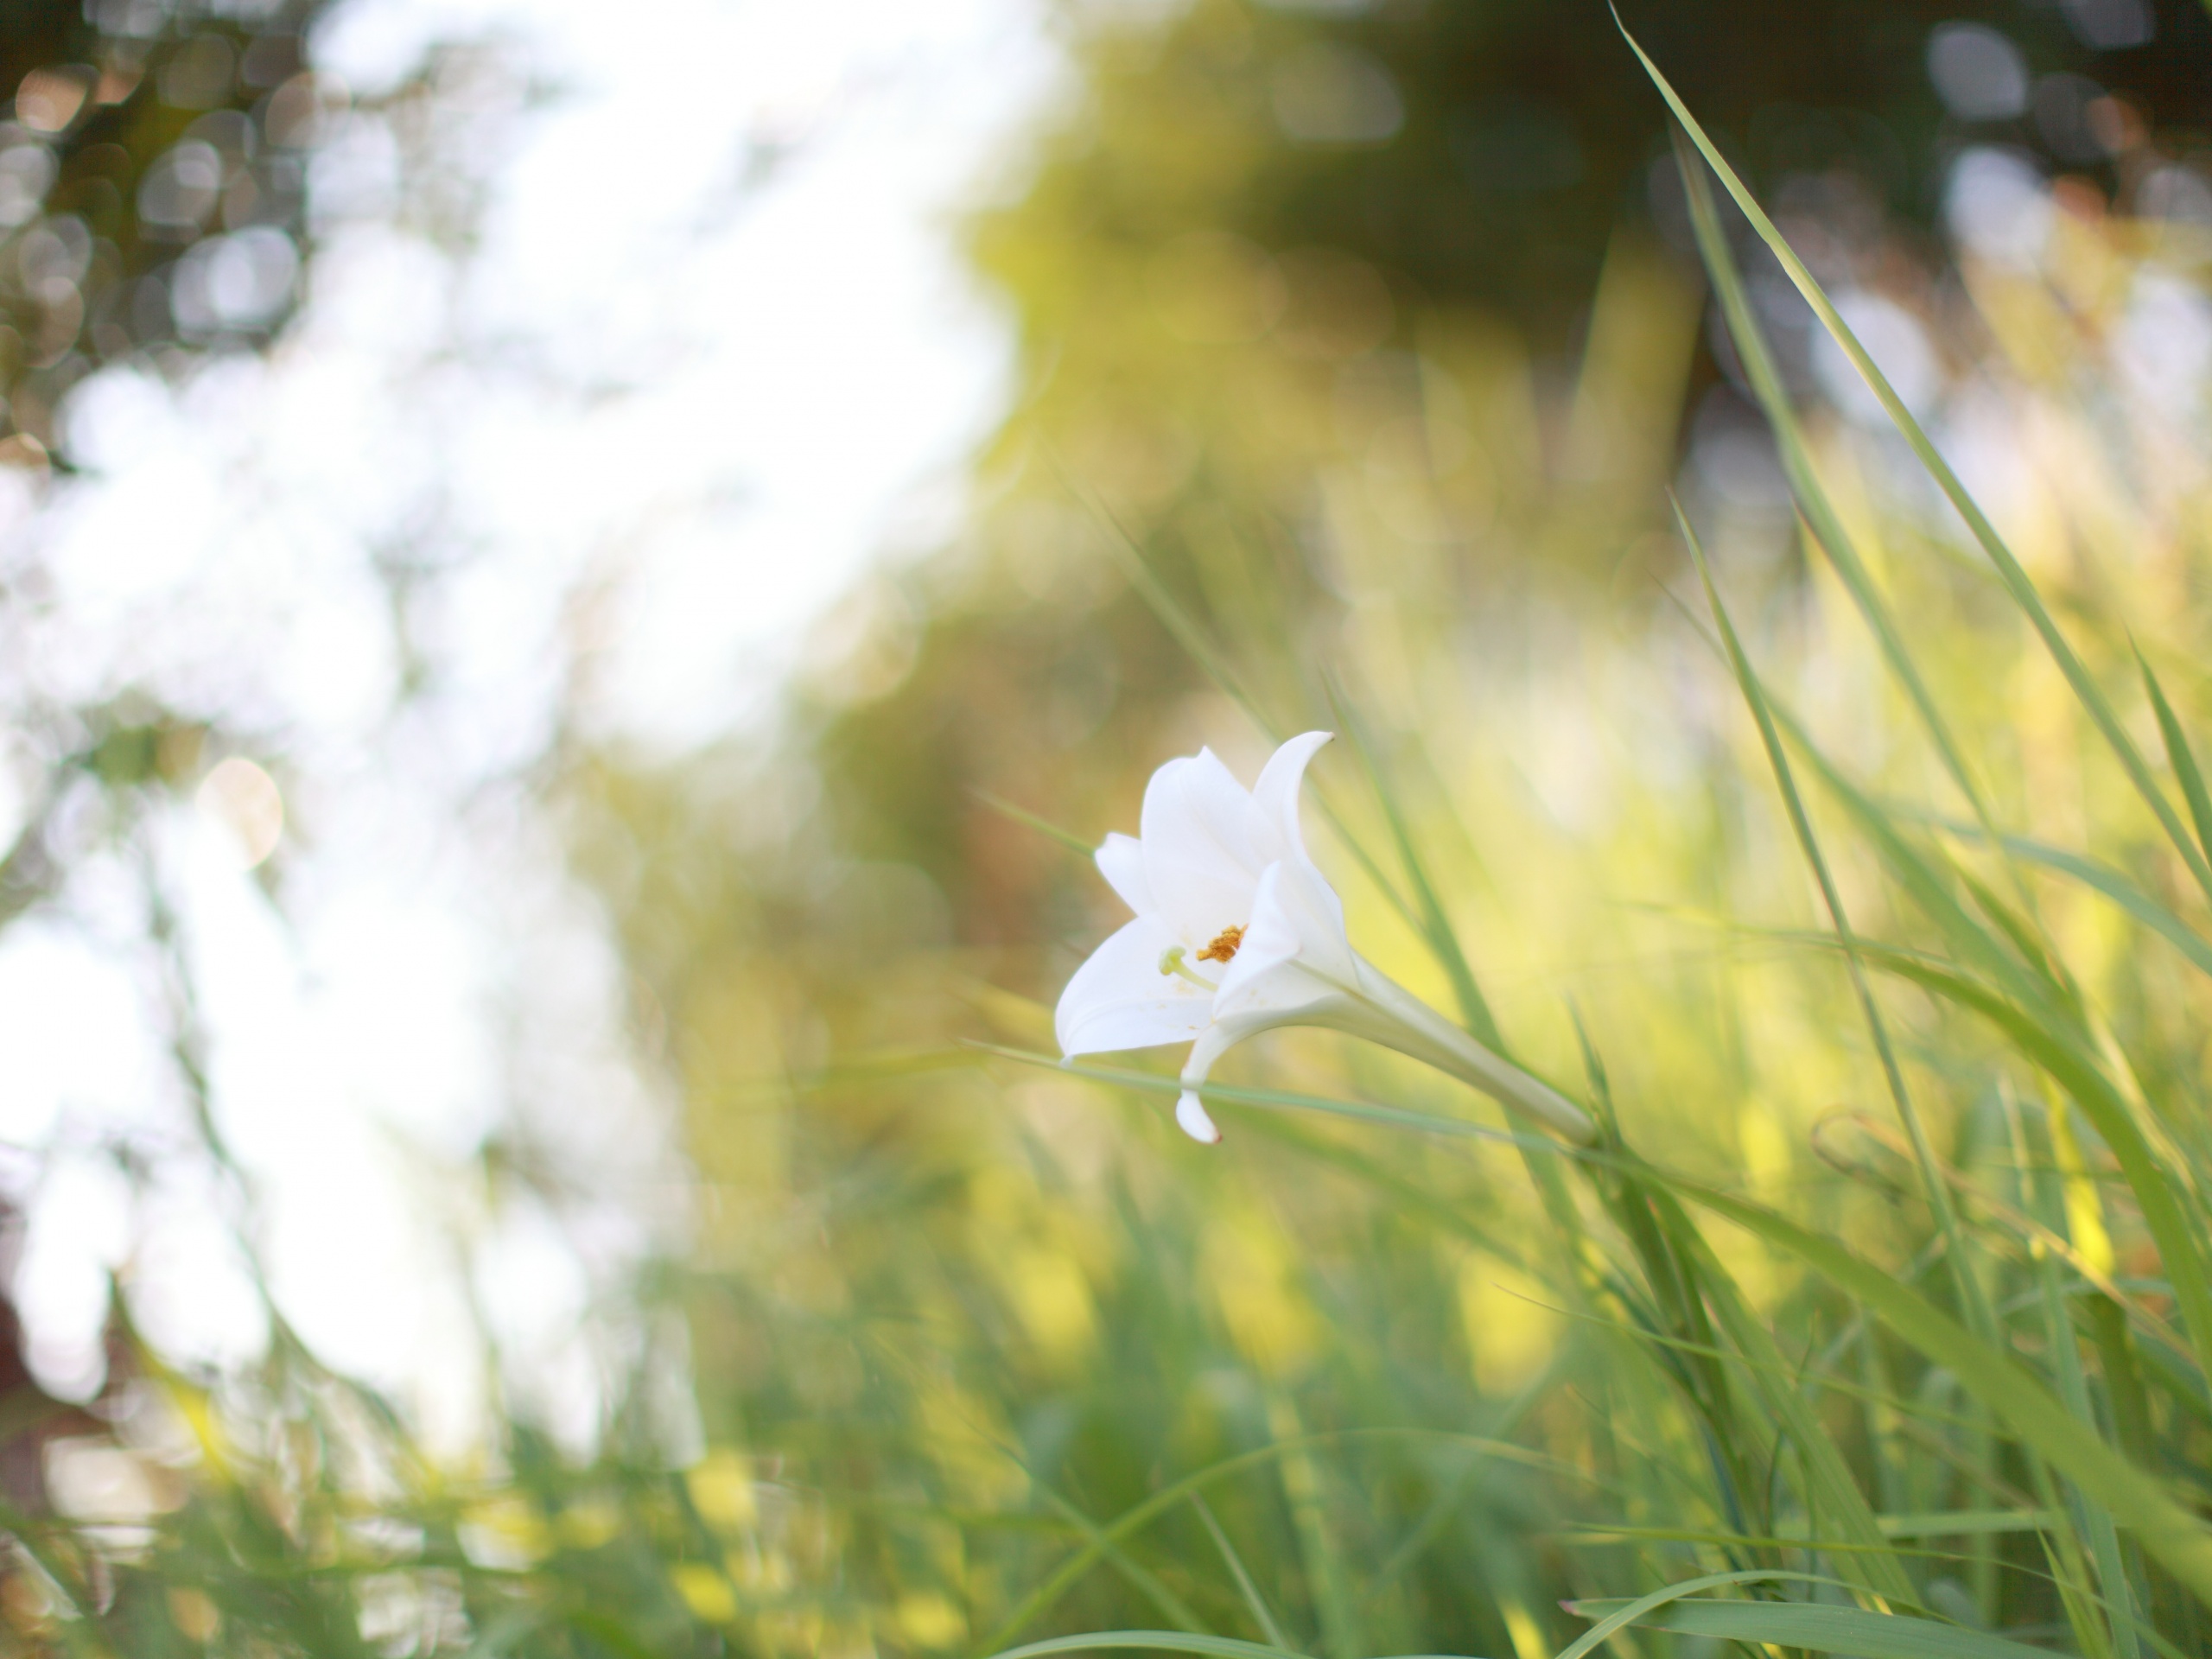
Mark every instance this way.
x=674 y=403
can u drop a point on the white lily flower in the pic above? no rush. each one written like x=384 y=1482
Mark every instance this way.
x=1237 y=930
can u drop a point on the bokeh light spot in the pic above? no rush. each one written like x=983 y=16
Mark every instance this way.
x=1998 y=206
x=246 y=801
x=48 y=99
x=26 y=173
x=1979 y=75
x=2113 y=25
x=1213 y=289
x=1327 y=94
x=180 y=190
x=200 y=75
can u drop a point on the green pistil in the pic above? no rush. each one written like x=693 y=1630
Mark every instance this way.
x=1171 y=961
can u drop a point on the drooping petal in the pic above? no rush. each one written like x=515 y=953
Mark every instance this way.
x=1190 y=1110
x=1274 y=799
x=1121 y=861
x=1284 y=995
x=1118 y=998
x=1198 y=859
x=1190 y=1116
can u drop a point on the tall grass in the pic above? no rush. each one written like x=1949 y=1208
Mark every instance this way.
x=1863 y=901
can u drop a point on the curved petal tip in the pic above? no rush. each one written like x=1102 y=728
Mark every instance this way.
x=1274 y=797
x=1191 y=1116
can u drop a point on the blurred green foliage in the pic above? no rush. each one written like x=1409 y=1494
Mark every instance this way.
x=1216 y=307
x=1484 y=153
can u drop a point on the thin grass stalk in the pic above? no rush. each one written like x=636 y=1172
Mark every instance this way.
x=2015 y=578
x=1972 y=1301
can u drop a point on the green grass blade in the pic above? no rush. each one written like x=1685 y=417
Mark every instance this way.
x=2069 y=1568
x=1041 y=1599
x=1619 y=1615
x=1409 y=1195
x=2176 y=1538
x=1046 y=827
x=1964 y=1523
x=1872 y=1567
x=608 y=1632
x=1255 y=1602
x=2069 y=1064
x=1823 y=525
x=1918 y=877
x=2113 y=885
x=1436 y=927
x=1172 y=615
x=1215 y=1647
x=502 y=1636
x=2016 y=927
x=2014 y=577
x=2179 y=755
x=1938 y=1193
x=1819 y=1629
x=1395 y=1117
x=1946 y=1524
x=2074 y=1389
x=1453 y=1498
x=1177 y=1611
x=1925 y=884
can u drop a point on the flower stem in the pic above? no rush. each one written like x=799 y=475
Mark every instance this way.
x=1411 y=1026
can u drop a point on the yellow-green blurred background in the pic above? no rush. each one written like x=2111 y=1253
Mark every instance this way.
x=542 y=545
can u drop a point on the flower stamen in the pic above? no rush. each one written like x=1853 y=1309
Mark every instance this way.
x=1224 y=946
x=1171 y=961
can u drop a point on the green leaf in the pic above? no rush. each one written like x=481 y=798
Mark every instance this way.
x=1219 y=1647
x=1067 y=838
x=1618 y=1615
x=1255 y=1602
x=1820 y=1628
x=1040 y=1600
x=2061 y=1055
x=1939 y=1195
x=1823 y=525
x=1842 y=1505
x=2175 y=1537
x=1395 y=1117
x=2010 y=572
x=2114 y=886
x=2180 y=756
x=1435 y=926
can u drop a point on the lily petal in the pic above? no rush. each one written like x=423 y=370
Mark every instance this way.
x=1190 y=1114
x=1198 y=859
x=1118 y=998
x=1294 y=966
x=1297 y=927
x=1308 y=1000
x=1121 y=861
x=1274 y=798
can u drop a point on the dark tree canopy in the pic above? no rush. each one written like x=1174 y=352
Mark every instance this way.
x=153 y=177
x=1484 y=150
